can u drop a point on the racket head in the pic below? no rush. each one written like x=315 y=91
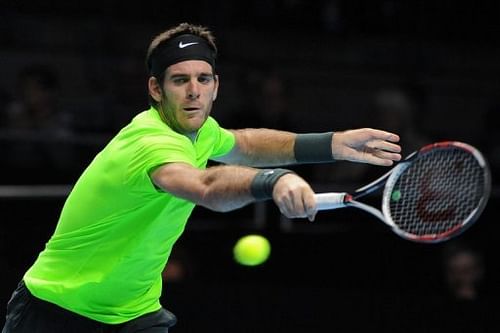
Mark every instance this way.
x=437 y=192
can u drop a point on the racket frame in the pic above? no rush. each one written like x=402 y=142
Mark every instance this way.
x=334 y=200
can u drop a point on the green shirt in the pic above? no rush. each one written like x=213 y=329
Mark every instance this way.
x=116 y=229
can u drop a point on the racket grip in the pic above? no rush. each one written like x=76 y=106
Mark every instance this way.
x=331 y=200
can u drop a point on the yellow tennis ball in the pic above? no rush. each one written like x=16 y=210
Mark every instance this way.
x=252 y=250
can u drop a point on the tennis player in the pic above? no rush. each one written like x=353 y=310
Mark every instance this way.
x=100 y=271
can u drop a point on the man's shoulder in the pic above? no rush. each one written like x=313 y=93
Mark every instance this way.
x=146 y=116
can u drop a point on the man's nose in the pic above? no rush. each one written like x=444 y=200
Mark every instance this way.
x=193 y=91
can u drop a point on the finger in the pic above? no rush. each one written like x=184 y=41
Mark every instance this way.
x=378 y=161
x=309 y=203
x=384 y=135
x=392 y=137
x=289 y=207
x=384 y=158
x=312 y=217
x=294 y=205
x=385 y=145
x=285 y=212
x=385 y=155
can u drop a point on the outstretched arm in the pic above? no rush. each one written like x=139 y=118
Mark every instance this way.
x=228 y=187
x=267 y=147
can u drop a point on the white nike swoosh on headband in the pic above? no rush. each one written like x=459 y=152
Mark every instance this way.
x=182 y=45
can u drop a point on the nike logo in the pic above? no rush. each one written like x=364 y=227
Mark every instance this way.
x=182 y=45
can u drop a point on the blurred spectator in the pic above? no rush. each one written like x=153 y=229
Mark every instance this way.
x=396 y=109
x=465 y=304
x=264 y=101
x=36 y=108
x=401 y=110
x=464 y=271
x=273 y=102
x=35 y=129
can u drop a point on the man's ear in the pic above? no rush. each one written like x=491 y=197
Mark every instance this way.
x=216 y=90
x=154 y=89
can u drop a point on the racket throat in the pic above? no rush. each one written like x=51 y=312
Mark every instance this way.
x=370 y=209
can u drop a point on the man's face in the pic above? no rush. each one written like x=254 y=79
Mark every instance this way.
x=189 y=89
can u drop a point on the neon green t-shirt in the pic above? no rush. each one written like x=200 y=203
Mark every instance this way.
x=116 y=229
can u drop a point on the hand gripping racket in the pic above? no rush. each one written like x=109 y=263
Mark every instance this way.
x=432 y=195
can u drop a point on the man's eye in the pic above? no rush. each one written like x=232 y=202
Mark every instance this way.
x=204 y=79
x=179 y=80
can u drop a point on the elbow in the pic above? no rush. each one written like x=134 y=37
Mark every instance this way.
x=221 y=208
x=217 y=203
x=208 y=200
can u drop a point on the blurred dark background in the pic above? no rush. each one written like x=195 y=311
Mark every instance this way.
x=72 y=74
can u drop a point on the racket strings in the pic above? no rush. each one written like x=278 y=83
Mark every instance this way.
x=438 y=193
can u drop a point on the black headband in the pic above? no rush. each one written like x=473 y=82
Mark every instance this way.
x=180 y=48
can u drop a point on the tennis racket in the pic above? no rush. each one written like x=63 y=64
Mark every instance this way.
x=434 y=194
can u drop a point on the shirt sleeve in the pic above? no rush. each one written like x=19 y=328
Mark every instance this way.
x=225 y=139
x=155 y=149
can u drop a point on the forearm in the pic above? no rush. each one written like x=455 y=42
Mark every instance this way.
x=219 y=188
x=263 y=147
x=293 y=196
x=226 y=187
x=267 y=147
